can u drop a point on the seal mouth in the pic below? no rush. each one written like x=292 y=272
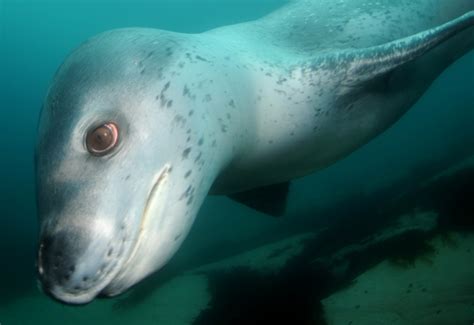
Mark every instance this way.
x=151 y=200
x=110 y=289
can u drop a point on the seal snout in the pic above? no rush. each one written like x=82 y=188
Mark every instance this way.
x=72 y=268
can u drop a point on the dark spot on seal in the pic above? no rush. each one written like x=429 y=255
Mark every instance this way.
x=214 y=143
x=110 y=252
x=198 y=157
x=186 y=152
x=189 y=191
x=231 y=103
x=200 y=142
x=185 y=90
x=170 y=103
x=167 y=85
x=207 y=98
x=179 y=119
x=169 y=51
x=150 y=54
x=177 y=237
x=200 y=58
x=187 y=173
x=190 y=200
x=85 y=279
x=280 y=92
x=191 y=112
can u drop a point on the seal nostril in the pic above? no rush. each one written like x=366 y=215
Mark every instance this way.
x=58 y=256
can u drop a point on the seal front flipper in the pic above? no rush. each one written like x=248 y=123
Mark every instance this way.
x=269 y=199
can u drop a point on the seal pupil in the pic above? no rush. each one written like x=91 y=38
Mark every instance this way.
x=102 y=139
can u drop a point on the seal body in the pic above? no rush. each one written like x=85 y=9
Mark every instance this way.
x=229 y=110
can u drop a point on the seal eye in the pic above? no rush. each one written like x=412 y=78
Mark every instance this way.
x=101 y=140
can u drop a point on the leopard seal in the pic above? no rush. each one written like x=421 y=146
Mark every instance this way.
x=140 y=125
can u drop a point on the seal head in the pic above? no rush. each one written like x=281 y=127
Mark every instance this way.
x=118 y=178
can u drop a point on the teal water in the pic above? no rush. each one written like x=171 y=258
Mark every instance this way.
x=36 y=35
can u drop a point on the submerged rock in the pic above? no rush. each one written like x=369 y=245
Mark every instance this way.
x=438 y=290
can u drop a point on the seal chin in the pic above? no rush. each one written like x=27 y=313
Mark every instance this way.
x=62 y=296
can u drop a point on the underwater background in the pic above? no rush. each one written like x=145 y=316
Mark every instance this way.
x=345 y=198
